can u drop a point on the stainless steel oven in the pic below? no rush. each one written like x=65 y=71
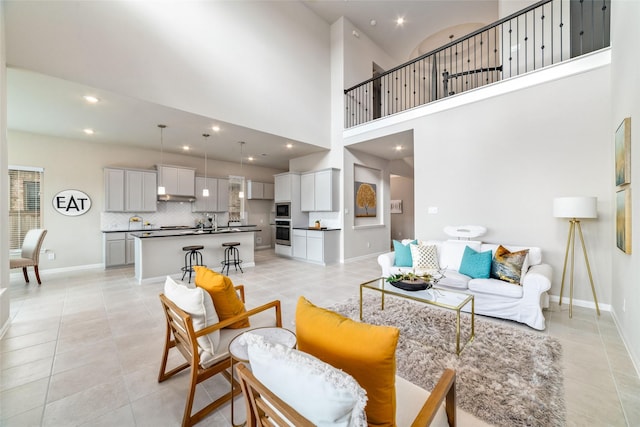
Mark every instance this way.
x=283 y=232
x=283 y=210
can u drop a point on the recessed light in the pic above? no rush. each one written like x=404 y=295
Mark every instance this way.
x=400 y=21
x=289 y=145
x=215 y=128
x=373 y=22
x=185 y=147
x=91 y=99
x=250 y=158
x=88 y=131
x=398 y=147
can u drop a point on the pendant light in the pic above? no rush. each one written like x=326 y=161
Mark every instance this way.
x=205 y=190
x=161 y=190
x=241 y=192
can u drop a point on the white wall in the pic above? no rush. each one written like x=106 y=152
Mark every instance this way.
x=252 y=64
x=79 y=165
x=402 y=225
x=4 y=183
x=625 y=70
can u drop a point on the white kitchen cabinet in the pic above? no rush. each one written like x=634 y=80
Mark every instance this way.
x=319 y=191
x=259 y=190
x=130 y=249
x=268 y=191
x=255 y=190
x=177 y=181
x=119 y=249
x=114 y=249
x=319 y=247
x=218 y=200
x=223 y=194
x=283 y=186
x=113 y=190
x=315 y=246
x=299 y=243
x=140 y=191
x=129 y=190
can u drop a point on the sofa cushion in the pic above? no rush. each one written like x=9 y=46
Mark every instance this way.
x=320 y=392
x=424 y=257
x=452 y=250
x=199 y=305
x=495 y=287
x=474 y=264
x=403 y=253
x=366 y=352
x=455 y=280
x=224 y=295
x=507 y=265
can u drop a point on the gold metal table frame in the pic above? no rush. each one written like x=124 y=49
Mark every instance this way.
x=451 y=300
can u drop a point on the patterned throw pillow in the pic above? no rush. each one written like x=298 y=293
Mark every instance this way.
x=425 y=257
x=507 y=265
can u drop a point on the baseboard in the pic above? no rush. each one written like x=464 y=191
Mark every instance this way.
x=5 y=327
x=634 y=360
x=61 y=270
x=580 y=303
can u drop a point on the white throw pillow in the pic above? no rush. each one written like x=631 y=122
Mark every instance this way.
x=324 y=395
x=452 y=251
x=424 y=257
x=198 y=303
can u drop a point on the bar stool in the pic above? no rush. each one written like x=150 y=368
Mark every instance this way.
x=192 y=257
x=231 y=256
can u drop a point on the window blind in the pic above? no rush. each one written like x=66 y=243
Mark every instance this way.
x=25 y=197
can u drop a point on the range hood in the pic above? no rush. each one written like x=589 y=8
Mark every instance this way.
x=174 y=198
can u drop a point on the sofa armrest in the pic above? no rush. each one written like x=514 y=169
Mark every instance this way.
x=538 y=279
x=386 y=261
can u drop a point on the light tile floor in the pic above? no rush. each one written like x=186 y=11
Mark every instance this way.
x=84 y=348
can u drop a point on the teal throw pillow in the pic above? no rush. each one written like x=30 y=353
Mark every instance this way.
x=476 y=265
x=403 y=253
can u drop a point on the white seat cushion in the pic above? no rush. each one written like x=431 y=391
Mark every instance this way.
x=455 y=280
x=495 y=287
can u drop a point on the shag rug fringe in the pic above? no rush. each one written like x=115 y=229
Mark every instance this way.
x=508 y=376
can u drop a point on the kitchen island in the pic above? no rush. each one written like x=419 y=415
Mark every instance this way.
x=159 y=253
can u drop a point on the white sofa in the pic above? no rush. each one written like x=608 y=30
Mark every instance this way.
x=493 y=297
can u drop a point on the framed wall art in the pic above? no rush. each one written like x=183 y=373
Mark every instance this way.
x=366 y=200
x=623 y=152
x=396 y=206
x=623 y=220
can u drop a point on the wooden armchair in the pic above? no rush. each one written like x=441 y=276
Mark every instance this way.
x=181 y=335
x=265 y=409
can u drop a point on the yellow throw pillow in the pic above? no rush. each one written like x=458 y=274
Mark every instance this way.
x=224 y=296
x=366 y=352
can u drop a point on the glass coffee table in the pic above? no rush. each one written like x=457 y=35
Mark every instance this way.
x=444 y=298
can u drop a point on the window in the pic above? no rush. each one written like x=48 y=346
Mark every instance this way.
x=25 y=198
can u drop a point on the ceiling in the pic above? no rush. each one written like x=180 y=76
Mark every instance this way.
x=51 y=106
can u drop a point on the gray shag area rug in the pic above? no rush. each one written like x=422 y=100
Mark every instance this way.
x=506 y=376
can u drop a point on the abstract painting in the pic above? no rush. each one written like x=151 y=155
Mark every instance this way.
x=623 y=220
x=623 y=152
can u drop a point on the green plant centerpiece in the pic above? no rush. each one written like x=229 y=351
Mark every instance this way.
x=410 y=281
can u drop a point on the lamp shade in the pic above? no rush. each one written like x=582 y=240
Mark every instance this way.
x=575 y=207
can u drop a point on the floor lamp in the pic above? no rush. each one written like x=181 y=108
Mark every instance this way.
x=575 y=208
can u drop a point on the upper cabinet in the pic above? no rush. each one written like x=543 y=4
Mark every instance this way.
x=319 y=191
x=177 y=181
x=286 y=185
x=218 y=200
x=259 y=190
x=130 y=190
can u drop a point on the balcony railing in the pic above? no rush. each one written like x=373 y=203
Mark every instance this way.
x=543 y=34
